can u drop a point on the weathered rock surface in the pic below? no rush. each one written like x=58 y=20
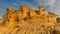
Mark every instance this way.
x=29 y=21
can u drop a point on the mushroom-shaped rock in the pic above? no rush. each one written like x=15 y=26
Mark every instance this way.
x=41 y=10
x=24 y=8
x=9 y=9
x=52 y=16
x=33 y=13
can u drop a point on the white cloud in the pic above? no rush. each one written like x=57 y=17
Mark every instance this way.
x=49 y=2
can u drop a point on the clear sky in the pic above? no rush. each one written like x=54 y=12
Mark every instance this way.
x=50 y=5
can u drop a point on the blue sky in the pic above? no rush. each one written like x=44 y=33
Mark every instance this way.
x=49 y=5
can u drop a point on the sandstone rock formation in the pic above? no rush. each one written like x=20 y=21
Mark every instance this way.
x=24 y=14
x=58 y=19
x=42 y=11
x=29 y=21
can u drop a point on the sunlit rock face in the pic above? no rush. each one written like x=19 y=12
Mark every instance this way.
x=24 y=10
x=1 y=21
x=29 y=21
x=41 y=10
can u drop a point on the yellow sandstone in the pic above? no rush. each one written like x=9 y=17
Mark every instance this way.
x=24 y=14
